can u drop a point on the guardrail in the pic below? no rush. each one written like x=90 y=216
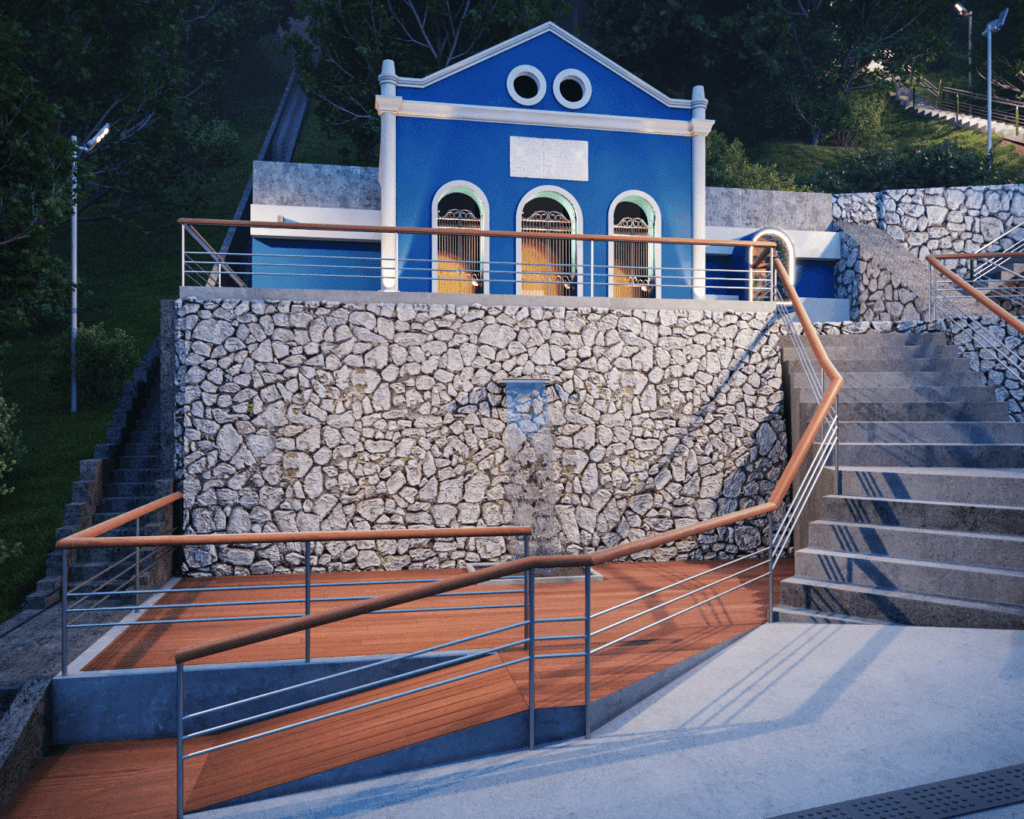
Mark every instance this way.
x=952 y=300
x=479 y=262
x=971 y=103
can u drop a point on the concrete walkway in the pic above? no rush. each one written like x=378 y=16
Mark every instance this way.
x=789 y=718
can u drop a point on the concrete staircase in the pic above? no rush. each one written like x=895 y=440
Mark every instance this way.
x=923 y=105
x=926 y=525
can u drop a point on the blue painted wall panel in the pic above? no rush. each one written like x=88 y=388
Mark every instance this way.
x=432 y=153
x=293 y=263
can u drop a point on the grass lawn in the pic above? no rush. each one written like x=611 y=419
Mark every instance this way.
x=898 y=128
x=124 y=272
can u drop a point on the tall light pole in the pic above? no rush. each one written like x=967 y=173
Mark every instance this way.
x=78 y=151
x=970 y=24
x=990 y=29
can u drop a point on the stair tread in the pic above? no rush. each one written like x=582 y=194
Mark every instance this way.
x=996 y=536
x=914 y=561
x=923 y=502
x=875 y=591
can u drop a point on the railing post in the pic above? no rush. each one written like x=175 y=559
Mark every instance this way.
x=591 y=268
x=183 y=255
x=533 y=656
x=308 y=575
x=586 y=651
x=138 y=568
x=64 y=612
x=839 y=479
x=526 y=590
x=771 y=569
x=181 y=741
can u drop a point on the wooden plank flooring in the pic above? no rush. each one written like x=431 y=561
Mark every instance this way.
x=144 y=783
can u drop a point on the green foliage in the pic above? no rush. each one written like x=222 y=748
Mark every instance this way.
x=935 y=166
x=340 y=53
x=728 y=166
x=9 y=552
x=11 y=448
x=104 y=359
x=862 y=120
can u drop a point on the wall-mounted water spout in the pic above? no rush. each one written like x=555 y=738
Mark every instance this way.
x=531 y=486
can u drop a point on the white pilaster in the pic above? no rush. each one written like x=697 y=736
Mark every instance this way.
x=698 y=162
x=388 y=104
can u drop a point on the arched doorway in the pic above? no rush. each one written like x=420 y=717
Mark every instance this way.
x=548 y=263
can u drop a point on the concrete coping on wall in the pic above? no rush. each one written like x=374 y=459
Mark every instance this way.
x=482 y=300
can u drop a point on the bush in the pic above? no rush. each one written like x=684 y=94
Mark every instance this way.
x=862 y=120
x=933 y=166
x=11 y=449
x=9 y=552
x=104 y=359
x=729 y=167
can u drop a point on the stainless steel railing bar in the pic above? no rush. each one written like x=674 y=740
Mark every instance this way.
x=340 y=674
x=560 y=620
x=802 y=355
x=637 y=599
x=98 y=574
x=353 y=708
x=556 y=637
x=334 y=695
x=803 y=493
x=677 y=614
x=560 y=656
x=684 y=596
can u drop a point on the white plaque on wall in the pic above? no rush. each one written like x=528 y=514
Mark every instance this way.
x=531 y=158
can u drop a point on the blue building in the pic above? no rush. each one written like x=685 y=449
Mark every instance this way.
x=543 y=134
x=539 y=134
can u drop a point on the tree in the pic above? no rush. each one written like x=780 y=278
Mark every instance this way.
x=819 y=51
x=66 y=67
x=339 y=55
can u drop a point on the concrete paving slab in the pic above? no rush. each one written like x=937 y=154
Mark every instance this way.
x=791 y=717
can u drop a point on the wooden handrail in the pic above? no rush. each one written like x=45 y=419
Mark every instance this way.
x=977 y=295
x=503 y=234
x=90 y=536
x=548 y=561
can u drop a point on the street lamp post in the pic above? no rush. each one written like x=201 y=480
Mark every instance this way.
x=990 y=29
x=78 y=151
x=970 y=24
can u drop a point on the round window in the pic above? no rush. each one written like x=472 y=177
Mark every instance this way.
x=526 y=85
x=572 y=88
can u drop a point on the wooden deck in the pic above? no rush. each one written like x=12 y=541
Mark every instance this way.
x=81 y=780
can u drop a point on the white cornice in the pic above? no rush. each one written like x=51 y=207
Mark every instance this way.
x=549 y=119
x=526 y=36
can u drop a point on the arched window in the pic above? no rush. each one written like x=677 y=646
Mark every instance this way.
x=761 y=278
x=634 y=265
x=460 y=261
x=548 y=264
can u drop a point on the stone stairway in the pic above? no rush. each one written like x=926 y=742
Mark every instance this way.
x=922 y=104
x=926 y=525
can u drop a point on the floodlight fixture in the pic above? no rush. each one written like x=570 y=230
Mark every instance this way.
x=77 y=150
x=990 y=29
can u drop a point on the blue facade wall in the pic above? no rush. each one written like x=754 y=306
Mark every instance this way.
x=344 y=265
x=433 y=153
x=484 y=83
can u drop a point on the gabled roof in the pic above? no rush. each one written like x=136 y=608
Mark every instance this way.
x=526 y=36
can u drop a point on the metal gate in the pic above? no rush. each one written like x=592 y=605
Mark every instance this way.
x=547 y=264
x=633 y=274
x=458 y=257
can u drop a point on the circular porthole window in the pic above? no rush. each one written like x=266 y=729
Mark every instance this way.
x=526 y=85
x=572 y=88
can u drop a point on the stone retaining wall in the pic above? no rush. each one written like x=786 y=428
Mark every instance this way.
x=936 y=220
x=316 y=416
x=882 y=280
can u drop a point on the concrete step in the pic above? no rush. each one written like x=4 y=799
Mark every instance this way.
x=121 y=475
x=913 y=379
x=863 y=341
x=931 y=432
x=969 y=548
x=984 y=583
x=905 y=394
x=897 y=606
x=896 y=363
x=130 y=490
x=998 y=486
x=925 y=514
x=948 y=410
x=144 y=448
x=973 y=456
x=139 y=462
x=120 y=505
x=790 y=614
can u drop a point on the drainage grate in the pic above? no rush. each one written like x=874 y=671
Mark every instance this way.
x=939 y=800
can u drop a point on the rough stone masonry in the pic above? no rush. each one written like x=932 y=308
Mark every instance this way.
x=298 y=416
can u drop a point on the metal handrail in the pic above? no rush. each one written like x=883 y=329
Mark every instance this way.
x=935 y=261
